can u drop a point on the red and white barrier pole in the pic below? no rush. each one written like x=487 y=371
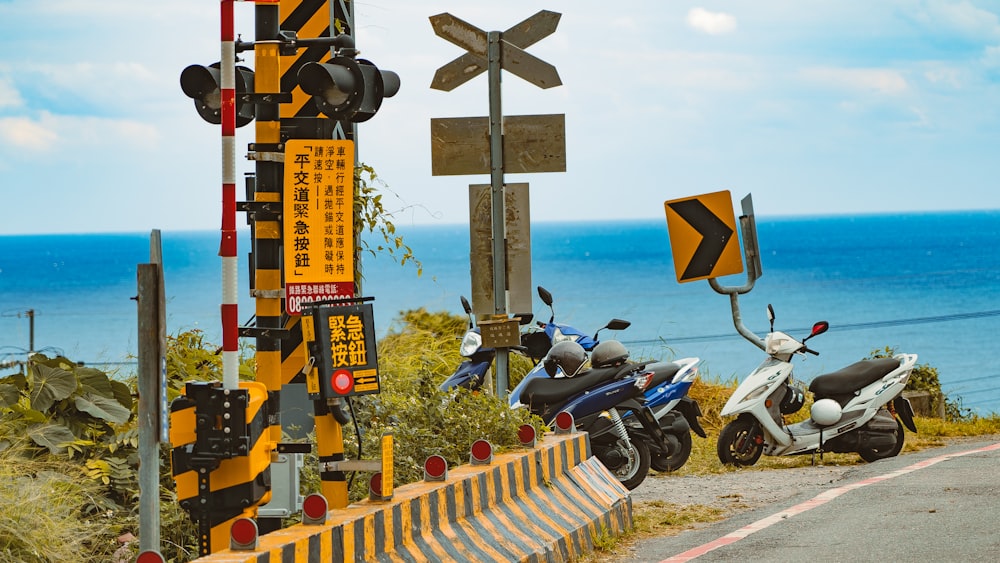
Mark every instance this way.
x=227 y=248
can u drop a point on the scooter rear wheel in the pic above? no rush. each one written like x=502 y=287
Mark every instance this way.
x=673 y=462
x=740 y=443
x=875 y=454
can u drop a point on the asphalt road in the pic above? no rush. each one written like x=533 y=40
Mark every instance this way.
x=941 y=504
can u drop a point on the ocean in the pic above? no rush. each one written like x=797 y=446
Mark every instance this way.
x=923 y=283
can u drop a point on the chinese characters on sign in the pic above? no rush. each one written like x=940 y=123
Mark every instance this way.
x=318 y=221
x=342 y=339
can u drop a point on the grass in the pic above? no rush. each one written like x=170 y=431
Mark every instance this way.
x=40 y=511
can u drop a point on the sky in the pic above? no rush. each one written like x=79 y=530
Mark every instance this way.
x=814 y=108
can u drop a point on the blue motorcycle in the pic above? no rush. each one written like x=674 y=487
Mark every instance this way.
x=536 y=343
x=598 y=399
x=472 y=373
x=676 y=413
x=666 y=396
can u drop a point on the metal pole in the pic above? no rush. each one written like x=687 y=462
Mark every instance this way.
x=227 y=247
x=497 y=203
x=31 y=331
x=148 y=419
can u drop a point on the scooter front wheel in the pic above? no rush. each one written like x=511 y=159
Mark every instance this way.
x=740 y=443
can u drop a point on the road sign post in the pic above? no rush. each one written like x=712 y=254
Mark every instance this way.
x=491 y=52
x=702 y=230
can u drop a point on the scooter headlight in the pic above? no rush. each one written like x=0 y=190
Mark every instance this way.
x=558 y=336
x=754 y=394
x=774 y=344
x=471 y=343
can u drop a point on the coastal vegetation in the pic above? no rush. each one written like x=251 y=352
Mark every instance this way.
x=68 y=439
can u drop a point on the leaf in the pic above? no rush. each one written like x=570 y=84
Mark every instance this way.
x=17 y=380
x=122 y=393
x=51 y=436
x=48 y=385
x=9 y=395
x=96 y=379
x=102 y=408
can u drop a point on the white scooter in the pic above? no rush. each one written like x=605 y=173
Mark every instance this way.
x=855 y=408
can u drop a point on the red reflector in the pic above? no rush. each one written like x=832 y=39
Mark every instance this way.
x=375 y=484
x=435 y=467
x=244 y=531
x=314 y=506
x=149 y=557
x=482 y=451
x=768 y=403
x=526 y=435
x=342 y=382
x=564 y=422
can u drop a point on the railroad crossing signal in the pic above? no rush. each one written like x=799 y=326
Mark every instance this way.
x=703 y=236
x=203 y=85
x=346 y=89
x=515 y=59
x=492 y=52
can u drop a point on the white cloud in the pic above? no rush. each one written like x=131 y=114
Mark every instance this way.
x=991 y=57
x=24 y=133
x=712 y=23
x=867 y=80
x=51 y=132
x=962 y=17
x=9 y=96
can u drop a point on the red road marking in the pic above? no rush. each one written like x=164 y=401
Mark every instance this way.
x=818 y=500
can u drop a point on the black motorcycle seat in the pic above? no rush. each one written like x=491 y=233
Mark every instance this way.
x=547 y=390
x=663 y=372
x=852 y=378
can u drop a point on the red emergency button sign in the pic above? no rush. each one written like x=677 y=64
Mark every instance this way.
x=342 y=382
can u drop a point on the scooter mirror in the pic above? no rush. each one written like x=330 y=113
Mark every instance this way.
x=545 y=295
x=770 y=316
x=547 y=299
x=819 y=328
x=524 y=318
x=613 y=324
x=618 y=324
x=465 y=305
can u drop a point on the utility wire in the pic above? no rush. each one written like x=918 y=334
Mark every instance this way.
x=970 y=380
x=850 y=326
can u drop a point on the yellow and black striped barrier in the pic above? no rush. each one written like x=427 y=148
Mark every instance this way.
x=548 y=503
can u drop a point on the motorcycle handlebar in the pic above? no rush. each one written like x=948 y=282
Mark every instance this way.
x=811 y=351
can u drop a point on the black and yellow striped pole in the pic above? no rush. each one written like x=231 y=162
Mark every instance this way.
x=310 y=19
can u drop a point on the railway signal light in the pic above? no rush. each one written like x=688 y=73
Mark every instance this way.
x=348 y=89
x=203 y=84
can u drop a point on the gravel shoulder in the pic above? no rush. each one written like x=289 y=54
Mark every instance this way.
x=736 y=490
